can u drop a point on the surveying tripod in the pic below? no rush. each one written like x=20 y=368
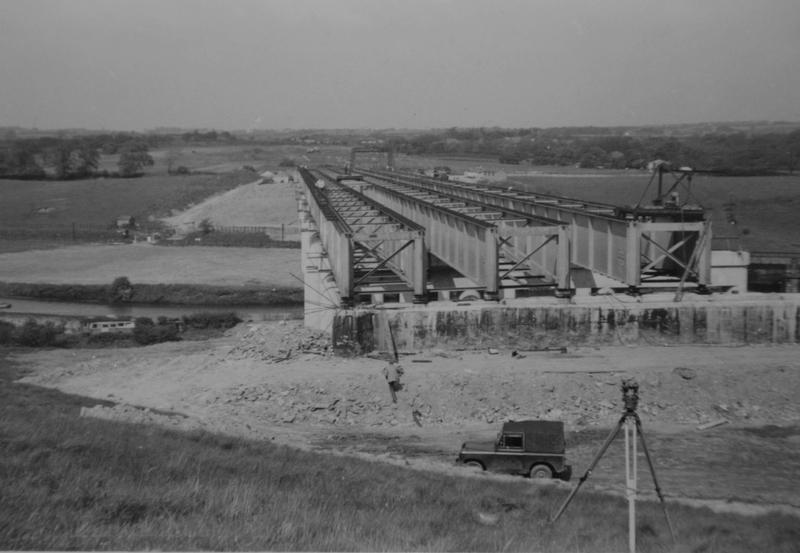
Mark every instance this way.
x=632 y=424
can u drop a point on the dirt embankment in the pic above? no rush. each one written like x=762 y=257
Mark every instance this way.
x=257 y=203
x=278 y=381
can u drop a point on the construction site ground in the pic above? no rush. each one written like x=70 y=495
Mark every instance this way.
x=722 y=423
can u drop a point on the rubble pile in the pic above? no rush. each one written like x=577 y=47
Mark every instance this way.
x=580 y=400
x=363 y=404
x=275 y=343
x=279 y=374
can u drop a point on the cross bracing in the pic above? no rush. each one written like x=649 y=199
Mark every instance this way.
x=369 y=247
x=630 y=245
x=498 y=239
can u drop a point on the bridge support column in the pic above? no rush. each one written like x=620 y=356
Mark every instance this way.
x=633 y=258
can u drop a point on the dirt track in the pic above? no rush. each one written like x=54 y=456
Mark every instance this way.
x=276 y=381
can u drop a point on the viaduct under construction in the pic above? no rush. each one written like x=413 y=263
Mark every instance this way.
x=395 y=259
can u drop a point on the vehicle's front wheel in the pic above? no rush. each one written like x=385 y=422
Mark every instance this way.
x=474 y=464
x=541 y=471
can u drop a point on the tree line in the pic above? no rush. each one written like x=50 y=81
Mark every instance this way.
x=725 y=152
x=774 y=149
x=64 y=158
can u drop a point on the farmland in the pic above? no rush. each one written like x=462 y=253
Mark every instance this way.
x=762 y=208
x=86 y=209
x=76 y=220
x=41 y=205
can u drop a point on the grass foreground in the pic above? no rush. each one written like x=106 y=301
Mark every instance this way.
x=78 y=483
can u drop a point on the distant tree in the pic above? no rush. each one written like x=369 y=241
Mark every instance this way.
x=172 y=157
x=121 y=290
x=87 y=158
x=133 y=158
x=206 y=226
x=617 y=159
x=793 y=150
x=60 y=157
x=19 y=160
x=72 y=158
x=594 y=157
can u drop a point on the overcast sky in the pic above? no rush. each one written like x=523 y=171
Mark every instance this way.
x=239 y=64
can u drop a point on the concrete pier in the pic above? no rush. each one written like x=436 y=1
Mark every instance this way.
x=528 y=324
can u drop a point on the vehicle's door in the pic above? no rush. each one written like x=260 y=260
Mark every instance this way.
x=509 y=453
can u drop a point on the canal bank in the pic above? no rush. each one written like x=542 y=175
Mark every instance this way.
x=157 y=294
x=34 y=308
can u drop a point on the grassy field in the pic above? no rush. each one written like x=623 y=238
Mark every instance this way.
x=214 y=158
x=76 y=483
x=16 y=245
x=148 y=264
x=226 y=158
x=42 y=214
x=43 y=204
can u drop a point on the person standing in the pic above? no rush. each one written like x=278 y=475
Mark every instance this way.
x=393 y=371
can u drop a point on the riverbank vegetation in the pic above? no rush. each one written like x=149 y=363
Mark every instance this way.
x=68 y=482
x=157 y=294
x=49 y=334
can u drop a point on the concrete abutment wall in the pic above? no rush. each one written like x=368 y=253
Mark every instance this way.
x=764 y=320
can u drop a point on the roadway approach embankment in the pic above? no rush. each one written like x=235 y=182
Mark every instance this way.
x=529 y=324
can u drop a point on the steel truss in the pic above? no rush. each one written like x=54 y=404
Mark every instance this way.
x=371 y=249
x=634 y=247
x=494 y=247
